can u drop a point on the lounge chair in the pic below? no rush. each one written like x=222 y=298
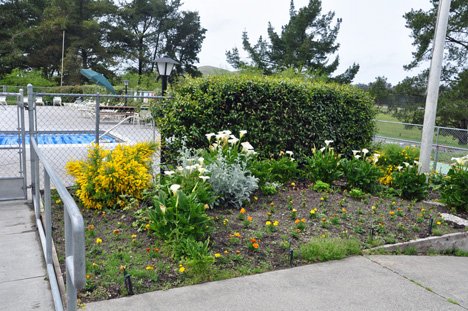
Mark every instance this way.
x=39 y=101
x=3 y=101
x=57 y=100
x=143 y=116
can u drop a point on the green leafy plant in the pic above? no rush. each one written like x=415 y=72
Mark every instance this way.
x=410 y=184
x=196 y=254
x=321 y=186
x=271 y=171
x=454 y=188
x=323 y=165
x=361 y=173
x=357 y=194
x=178 y=217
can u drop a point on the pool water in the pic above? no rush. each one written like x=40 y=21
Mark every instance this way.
x=56 y=139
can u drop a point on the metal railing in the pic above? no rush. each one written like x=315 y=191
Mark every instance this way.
x=74 y=231
x=447 y=142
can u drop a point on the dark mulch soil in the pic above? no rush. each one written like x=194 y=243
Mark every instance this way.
x=147 y=259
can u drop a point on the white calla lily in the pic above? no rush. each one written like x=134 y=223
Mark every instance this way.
x=210 y=135
x=168 y=173
x=327 y=142
x=204 y=178
x=174 y=188
x=246 y=146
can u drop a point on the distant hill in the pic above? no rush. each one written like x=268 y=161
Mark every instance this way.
x=211 y=70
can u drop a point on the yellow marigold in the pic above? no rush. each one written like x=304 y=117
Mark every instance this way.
x=242 y=211
x=217 y=255
x=181 y=269
x=98 y=240
x=268 y=223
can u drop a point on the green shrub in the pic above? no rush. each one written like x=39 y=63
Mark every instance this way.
x=282 y=170
x=454 y=188
x=394 y=155
x=109 y=179
x=280 y=114
x=178 y=217
x=323 y=165
x=410 y=184
x=361 y=173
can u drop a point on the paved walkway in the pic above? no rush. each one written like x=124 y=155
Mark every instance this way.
x=23 y=276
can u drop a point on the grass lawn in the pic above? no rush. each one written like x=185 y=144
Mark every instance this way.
x=295 y=226
x=400 y=131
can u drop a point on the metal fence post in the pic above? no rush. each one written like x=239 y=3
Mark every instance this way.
x=48 y=220
x=437 y=150
x=23 y=145
x=31 y=137
x=97 y=118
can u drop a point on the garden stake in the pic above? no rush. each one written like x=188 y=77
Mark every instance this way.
x=431 y=221
x=291 y=253
x=128 y=282
x=371 y=228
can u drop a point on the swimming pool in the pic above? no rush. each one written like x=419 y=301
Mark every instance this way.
x=9 y=139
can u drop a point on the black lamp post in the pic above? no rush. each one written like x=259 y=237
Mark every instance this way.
x=165 y=66
x=126 y=85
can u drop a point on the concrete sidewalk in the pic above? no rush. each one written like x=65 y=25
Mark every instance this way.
x=23 y=275
x=356 y=283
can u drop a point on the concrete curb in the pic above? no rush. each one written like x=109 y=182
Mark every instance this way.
x=448 y=242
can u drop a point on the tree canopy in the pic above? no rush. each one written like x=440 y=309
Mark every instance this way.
x=307 y=44
x=99 y=34
x=422 y=25
x=452 y=108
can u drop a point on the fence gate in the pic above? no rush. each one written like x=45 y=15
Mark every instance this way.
x=12 y=147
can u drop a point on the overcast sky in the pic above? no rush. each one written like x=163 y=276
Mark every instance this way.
x=372 y=34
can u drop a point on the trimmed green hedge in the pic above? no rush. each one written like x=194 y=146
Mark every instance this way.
x=279 y=114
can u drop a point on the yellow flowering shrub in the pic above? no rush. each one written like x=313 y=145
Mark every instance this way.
x=391 y=157
x=104 y=176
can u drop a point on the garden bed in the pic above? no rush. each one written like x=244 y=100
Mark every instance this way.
x=316 y=226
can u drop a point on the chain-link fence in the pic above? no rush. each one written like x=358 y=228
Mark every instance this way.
x=12 y=147
x=447 y=142
x=66 y=128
